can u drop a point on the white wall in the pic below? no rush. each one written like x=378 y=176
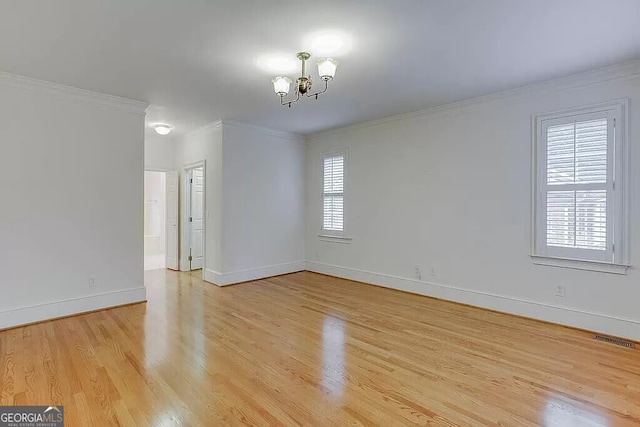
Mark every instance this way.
x=263 y=202
x=71 y=186
x=205 y=144
x=254 y=199
x=449 y=190
x=159 y=152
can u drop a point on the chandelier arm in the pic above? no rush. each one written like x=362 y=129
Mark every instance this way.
x=289 y=102
x=326 y=86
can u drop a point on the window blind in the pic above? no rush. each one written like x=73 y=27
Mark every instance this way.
x=577 y=177
x=333 y=194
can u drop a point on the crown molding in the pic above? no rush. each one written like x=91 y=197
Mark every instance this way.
x=265 y=131
x=620 y=71
x=220 y=124
x=203 y=129
x=124 y=104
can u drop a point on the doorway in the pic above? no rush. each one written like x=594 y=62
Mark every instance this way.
x=154 y=220
x=194 y=213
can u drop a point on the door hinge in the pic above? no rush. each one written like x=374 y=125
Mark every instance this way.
x=614 y=123
x=190 y=258
x=191 y=181
x=613 y=247
x=190 y=219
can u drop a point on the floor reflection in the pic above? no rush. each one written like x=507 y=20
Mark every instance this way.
x=560 y=411
x=155 y=322
x=167 y=417
x=197 y=338
x=333 y=369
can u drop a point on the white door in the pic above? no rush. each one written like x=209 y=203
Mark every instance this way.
x=197 y=219
x=172 y=221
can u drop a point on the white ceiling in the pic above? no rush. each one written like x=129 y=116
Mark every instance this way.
x=194 y=61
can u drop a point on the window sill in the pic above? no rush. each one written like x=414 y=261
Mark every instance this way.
x=602 y=267
x=335 y=239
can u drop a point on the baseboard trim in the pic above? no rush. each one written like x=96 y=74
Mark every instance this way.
x=24 y=325
x=562 y=315
x=21 y=316
x=231 y=278
x=213 y=277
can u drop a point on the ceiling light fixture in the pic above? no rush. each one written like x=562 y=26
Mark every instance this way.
x=326 y=70
x=162 y=129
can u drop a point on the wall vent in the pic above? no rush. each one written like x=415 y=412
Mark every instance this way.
x=616 y=341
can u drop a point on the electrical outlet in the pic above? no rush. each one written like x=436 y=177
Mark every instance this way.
x=92 y=282
x=418 y=273
x=560 y=291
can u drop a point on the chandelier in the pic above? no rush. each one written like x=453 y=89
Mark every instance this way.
x=326 y=70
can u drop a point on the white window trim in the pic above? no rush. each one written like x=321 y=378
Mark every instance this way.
x=621 y=179
x=332 y=235
x=334 y=238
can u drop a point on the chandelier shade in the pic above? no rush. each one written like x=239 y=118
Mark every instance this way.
x=327 y=68
x=281 y=85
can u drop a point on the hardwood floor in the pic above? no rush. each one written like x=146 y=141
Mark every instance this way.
x=314 y=350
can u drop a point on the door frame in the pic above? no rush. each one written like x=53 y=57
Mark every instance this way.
x=185 y=212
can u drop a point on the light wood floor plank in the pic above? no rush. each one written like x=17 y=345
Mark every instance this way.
x=307 y=349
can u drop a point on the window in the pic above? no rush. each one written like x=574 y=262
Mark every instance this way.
x=579 y=185
x=333 y=194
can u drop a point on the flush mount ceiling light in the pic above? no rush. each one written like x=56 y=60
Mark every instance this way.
x=162 y=129
x=326 y=70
